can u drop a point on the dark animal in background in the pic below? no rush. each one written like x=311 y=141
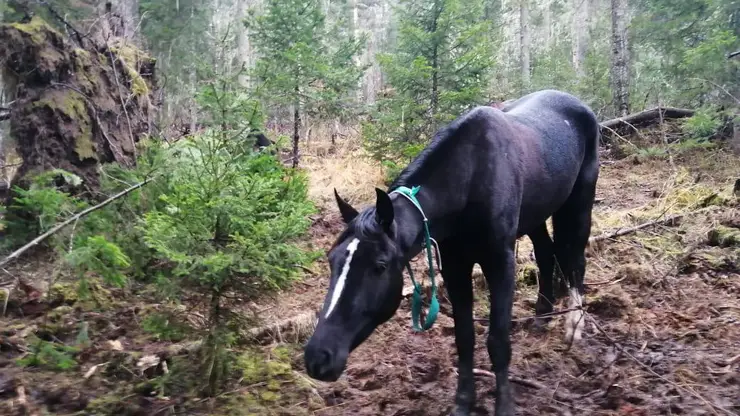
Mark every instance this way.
x=261 y=141
x=485 y=180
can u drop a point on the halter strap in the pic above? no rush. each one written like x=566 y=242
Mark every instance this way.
x=416 y=301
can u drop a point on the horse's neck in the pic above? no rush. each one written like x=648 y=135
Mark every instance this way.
x=410 y=223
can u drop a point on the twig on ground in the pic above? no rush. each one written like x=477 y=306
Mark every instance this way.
x=660 y=221
x=559 y=395
x=605 y=282
x=728 y=362
x=531 y=317
x=70 y=220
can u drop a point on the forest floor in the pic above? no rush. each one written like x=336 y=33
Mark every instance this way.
x=662 y=332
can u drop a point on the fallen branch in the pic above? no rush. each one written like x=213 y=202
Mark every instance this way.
x=650 y=116
x=733 y=54
x=663 y=221
x=558 y=395
x=70 y=220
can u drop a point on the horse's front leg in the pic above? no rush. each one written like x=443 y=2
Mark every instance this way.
x=499 y=271
x=457 y=276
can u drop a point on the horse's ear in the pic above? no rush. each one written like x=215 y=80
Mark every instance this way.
x=383 y=209
x=348 y=213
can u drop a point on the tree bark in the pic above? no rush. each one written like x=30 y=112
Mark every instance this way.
x=620 y=68
x=435 y=60
x=296 y=126
x=120 y=19
x=547 y=23
x=525 y=43
x=580 y=36
x=244 y=45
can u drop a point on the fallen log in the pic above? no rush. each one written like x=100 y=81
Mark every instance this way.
x=644 y=118
x=733 y=54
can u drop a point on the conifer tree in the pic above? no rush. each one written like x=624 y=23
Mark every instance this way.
x=300 y=64
x=440 y=69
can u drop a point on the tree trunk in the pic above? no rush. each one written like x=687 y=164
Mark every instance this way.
x=435 y=60
x=547 y=23
x=580 y=36
x=296 y=126
x=120 y=19
x=525 y=43
x=244 y=45
x=620 y=68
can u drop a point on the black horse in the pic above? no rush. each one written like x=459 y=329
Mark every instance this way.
x=261 y=141
x=488 y=178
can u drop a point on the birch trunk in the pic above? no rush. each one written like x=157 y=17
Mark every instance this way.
x=580 y=36
x=620 y=65
x=525 y=43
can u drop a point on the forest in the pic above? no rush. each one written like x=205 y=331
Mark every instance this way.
x=168 y=171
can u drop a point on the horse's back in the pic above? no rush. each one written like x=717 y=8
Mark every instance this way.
x=558 y=136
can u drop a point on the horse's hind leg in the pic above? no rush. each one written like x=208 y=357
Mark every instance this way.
x=572 y=227
x=544 y=252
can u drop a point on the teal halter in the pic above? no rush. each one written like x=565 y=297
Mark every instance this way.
x=416 y=302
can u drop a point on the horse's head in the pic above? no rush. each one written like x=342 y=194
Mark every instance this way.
x=365 y=288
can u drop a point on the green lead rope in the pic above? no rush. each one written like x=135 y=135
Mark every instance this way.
x=416 y=301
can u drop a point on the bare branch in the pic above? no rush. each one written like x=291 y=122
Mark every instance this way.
x=14 y=255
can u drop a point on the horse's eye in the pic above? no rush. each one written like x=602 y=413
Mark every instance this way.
x=380 y=266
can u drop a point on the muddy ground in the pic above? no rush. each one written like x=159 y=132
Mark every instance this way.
x=662 y=334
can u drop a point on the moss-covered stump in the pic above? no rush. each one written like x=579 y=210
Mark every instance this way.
x=76 y=105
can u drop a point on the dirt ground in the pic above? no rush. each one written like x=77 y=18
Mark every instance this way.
x=662 y=333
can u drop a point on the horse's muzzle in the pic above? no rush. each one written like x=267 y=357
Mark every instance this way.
x=322 y=364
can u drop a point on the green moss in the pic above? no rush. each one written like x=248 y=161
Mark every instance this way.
x=723 y=236
x=527 y=274
x=273 y=385
x=58 y=314
x=270 y=396
x=74 y=107
x=130 y=56
x=63 y=293
x=36 y=28
x=69 y=293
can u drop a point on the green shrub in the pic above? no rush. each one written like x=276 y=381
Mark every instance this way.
x=50 y=355
x=702 y=124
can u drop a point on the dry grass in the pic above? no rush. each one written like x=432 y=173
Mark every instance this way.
x=345 y=168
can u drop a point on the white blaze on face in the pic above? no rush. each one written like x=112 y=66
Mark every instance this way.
x=351 y=248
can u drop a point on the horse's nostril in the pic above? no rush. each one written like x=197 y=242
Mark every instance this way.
x=319 y=362
x=325 y=357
